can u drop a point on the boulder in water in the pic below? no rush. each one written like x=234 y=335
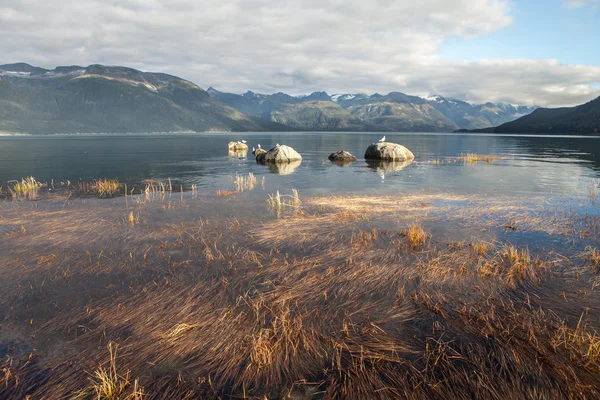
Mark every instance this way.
x=388 y=151
x=342 y=156
x=258 y=151
x=279 y=154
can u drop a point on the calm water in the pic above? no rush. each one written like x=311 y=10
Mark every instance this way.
x=533 y=165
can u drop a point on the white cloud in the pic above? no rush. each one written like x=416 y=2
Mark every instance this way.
x=286 y=45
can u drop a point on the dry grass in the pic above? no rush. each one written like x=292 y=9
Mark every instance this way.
x=277 y=202
x=481 y=248
x=592 y=254
x=26 y=189
x=106 y=383
x=107 y=187
x=416 y=236
x=243 y=183
x=332 y=304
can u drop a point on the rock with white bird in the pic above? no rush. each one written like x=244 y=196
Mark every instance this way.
x=279 y=154
x=237 y=146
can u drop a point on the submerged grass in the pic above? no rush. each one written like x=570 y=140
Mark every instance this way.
x=473 y=158
x=335 y=303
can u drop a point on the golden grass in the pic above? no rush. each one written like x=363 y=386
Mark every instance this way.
x=592 y=254
x=26 y=189
x=332 y=304
x=481 y=248
x=106 y=383
x=416 y=236
x=277 y=202
x=107 y=187
x=249 y=182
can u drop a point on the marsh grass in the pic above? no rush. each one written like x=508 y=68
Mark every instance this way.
x=277 y=202
x=107 y=187
x=243 y=183
x=106 y=383
x=231 y=308
x=416 y=236
x=26 y=189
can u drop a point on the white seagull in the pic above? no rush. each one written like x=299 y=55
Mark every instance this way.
x=382 y=139
x=243 y=141
x=259 y=145
x=253 y=149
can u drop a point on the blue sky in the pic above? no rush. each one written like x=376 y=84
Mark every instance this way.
x=547 y=29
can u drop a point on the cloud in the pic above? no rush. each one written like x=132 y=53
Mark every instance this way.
x=286 y=45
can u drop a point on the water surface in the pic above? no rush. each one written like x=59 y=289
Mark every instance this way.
x=530 y=165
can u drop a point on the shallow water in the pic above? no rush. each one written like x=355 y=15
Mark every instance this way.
x=173 y=276
x=530 y=165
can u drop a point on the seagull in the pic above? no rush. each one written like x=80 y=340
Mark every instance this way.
x=382 y=139
x=277 y=145
x=253 y=149
x=243 y=141
x=259 y=145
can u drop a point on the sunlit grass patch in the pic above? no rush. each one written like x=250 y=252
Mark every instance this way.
x=276 y=202
x=481 y=248
x=249 y=182
x=26 y=189
x=107 y=187
x=581 y=343
x=416 y=236
x=106 y=383
x=592 y=255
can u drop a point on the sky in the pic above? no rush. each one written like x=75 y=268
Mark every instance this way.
x=522 y=52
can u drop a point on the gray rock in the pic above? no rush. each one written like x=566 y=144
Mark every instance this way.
x=342 y=156
x=388 y=151
x=279 y=154
x=258 y=151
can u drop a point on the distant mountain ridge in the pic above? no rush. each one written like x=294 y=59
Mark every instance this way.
x=579 y=120
x=111 y=99
x=392 y=112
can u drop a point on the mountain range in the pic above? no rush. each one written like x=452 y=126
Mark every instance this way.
x=360 y=112
x=99 y=98
x=580 y=120
x=113 y=99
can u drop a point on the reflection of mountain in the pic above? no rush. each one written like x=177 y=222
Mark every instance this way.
x=381 y=166
x=283 y=168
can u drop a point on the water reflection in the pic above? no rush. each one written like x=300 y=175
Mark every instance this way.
x=342 y=164
x=283 y=168
x=381 y=166
x=528 y=164
x=237 y=155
